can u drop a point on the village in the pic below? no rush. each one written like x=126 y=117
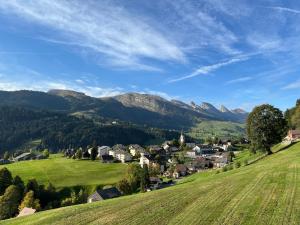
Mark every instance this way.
x=167 y=162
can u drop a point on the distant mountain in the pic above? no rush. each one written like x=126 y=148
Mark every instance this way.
x=135 y=108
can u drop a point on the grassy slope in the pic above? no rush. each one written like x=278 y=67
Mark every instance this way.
x=217 y=128
x=266 y=192
x=62 y=172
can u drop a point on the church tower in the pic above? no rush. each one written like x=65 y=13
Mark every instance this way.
x=181 y=139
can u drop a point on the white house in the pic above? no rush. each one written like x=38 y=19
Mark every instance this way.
x=103 y=150
x=136 y=149
x=123 y=156
x=191 y=154
x=144 y=160
x=112 y=152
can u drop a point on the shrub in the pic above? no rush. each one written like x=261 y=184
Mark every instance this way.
x=237 y=164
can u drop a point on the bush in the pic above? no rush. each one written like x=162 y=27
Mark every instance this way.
x=237 y=164
x=230 y=167
x=246 y=162
x=224 y=169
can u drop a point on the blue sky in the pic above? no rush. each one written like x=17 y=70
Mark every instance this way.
x=234 y=52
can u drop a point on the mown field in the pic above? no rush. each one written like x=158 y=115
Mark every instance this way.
x=63 y=172
x=221 y=129
x=266 y=192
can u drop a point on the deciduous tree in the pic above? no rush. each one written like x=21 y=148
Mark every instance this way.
x=266 y=126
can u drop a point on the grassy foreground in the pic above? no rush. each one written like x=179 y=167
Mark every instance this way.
x=62 y=172
x=266 y=192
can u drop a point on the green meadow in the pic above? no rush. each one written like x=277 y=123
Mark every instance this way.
x=63 y=172
x=265 y=192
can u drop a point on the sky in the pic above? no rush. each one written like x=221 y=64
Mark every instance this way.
x=232 y=52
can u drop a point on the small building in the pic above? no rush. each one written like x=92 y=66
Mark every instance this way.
x=136 y=150
x=123 y=156
x=24 y=156
x=201 y=163
x=293 y=135
x=112 y=152
x=190 y=145
x=221 y=160
x=144 y=160
x=119 y=147
x=100 y=195
x=103 y=150
x=173 y=149
x=26 y=212
x=166 y=146
x=191 y=154
x=106 y=158
x=180 y=170
x=4 y=161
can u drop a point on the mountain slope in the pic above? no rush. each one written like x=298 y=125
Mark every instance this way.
x=19 y=125
x=265 y=192
x=142 y=109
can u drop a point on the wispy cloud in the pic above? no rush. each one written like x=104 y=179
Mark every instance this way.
x=293 y=85
x=124 y=39
x=284 y=9
x=208 y=69
x=239 y=80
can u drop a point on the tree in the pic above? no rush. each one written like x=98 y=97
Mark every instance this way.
x=30 y=202
x=133 y=176
x=32 y=185
x=5 y=179
x=19 y=183
x=6 y=155
x=266 y=126
x=124 y=187
x=94 y=151
x=144 y=177
x=9 y=202
x=46 y=153
x=78 y=154
x=295 y=119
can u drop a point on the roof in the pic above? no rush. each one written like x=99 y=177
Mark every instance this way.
x=181 y=168
x=295 y=132
x=26 y=211
x=103 y=147
x=107 y=193
x=119 y=147
x=23 y=155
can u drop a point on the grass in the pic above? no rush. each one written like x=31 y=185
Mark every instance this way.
x=63 y=172
x=221 y=129
x=266 y=192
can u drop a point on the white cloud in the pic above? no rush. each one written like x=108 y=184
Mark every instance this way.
x=123 y=38
x=284 y=9
x=293 y=85
x=208 y=69
x=239 y=80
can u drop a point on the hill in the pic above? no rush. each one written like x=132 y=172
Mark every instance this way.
x=141 y=109
x=265 y=192
x=19 y=126
x=63 y=172
x=220 y=129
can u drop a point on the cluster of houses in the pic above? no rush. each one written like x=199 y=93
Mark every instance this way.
x=163 y=157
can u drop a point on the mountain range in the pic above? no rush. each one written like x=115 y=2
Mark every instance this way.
x=135 y=108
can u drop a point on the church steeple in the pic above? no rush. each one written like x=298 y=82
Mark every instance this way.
x=181 y=138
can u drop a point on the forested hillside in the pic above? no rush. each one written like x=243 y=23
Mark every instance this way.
x=56 y=130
